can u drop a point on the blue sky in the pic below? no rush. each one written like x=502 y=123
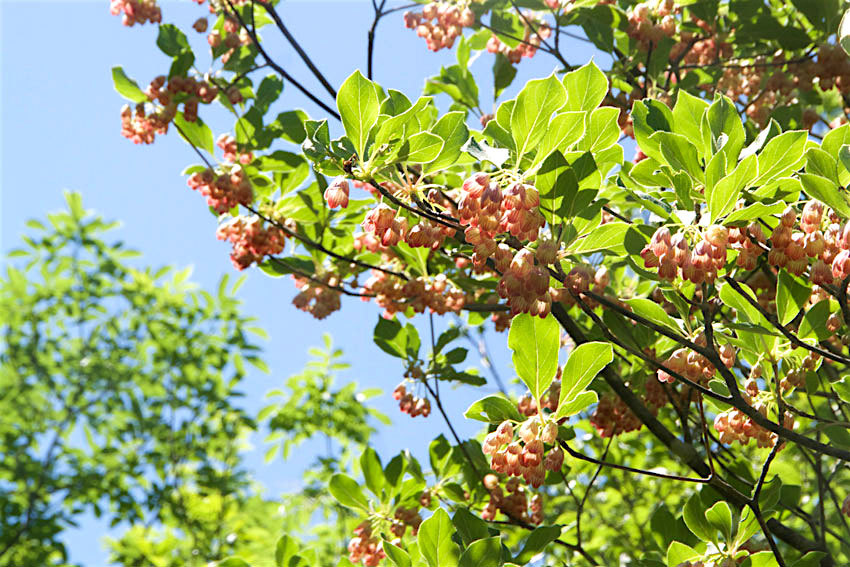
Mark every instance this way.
x=60 y=129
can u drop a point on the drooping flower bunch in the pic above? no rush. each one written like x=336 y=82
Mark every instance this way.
x=408 y=402
x=536 y=31
x=136 y=11
x=526 y=457
x=252 y=240
x=440 y=23
x=223 y=191
x=512 y=501
x=364 y=547
x=318 y=295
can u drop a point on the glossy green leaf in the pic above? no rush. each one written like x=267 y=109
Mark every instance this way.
x=347 y=492
x=452 y=129
x=780 y=156
x=421 y=148
x=284 y=550
x=827 y=192
x=583 y=364
x=564 y=131
x=535 y=343
x=536 y=542
x=373 y=472
x=722 y=197
x=694 y=516
x=196 y=133
x=493 y=409
x=679 y=553
x=603 y=237
x=722 y=129
x=171 y=40
x=127 y=87
x=602 y=130
x=679 y=153
x=719 y=516
x=469 y=526
x=482 y=553
x=687 y=117
x=652 y=311
x=359 y=105
x=586 y=87
x=435 y=541
x=535 y=105
x=792 y=294
x=397 y=555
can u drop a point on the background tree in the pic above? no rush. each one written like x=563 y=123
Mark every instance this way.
x=119 y=389
x=250 y=528
x=702 y=287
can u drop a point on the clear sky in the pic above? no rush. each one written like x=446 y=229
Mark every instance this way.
x=60 y=129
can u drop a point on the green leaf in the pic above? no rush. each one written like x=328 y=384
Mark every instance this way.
x=493 y=409
x=715 y=171
x=748 y=526
x=452 y=129
x=402 y=126
x=763 y=559
x=722 y=198
x=811 y=559
x=814 y=322
x=842 y=389
x=602 y=130
x=421 y=148
x=535 y=343
x=171 y=40
x=196 y=133
x=503 y=75
x=469 y=526
x=651 y=310
x=583 y=364
x=792 y=293
x=536 y=543
x=347 y=492
x=687 y=117
x=359 y=104
x=284 y=550
x=694 y=516
x=391 y=337
x=482 y=553
x=826 y=192
x=602 y=237
x=838 y=435
x=679 y=153
x=679 y=553
x=821 y=163
x=435 y=541
x=650 y=116
x=373 y=472
x=127 y=87
x=396 y=554
x=564 y=130
x=722 y=129
x=720 y=518
x=781 y=156
x=456 y=82
x=844 y=31
x=535 y=104
x=755 y=211
x=586 y=87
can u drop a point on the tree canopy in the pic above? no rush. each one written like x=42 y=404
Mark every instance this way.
x=679 y=320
